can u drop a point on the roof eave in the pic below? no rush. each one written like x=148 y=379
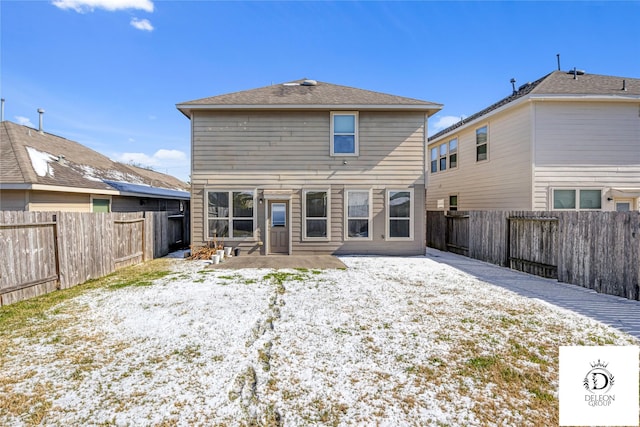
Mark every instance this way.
x=586 y=97
x=154 y=196
x=430 y=109
x=482 y=118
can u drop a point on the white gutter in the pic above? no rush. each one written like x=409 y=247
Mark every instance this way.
x=78 y=190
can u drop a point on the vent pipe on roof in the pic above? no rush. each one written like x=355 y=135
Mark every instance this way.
x=2 y=111
x=624 y=85
x=513 y=85
x=558 y=56
x=41 y=113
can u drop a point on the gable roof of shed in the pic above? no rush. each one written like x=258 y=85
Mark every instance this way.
x=28 y=156
x=297 y=95
x=559 y=83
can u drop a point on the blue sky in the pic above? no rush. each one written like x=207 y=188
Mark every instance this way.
x=108 y=73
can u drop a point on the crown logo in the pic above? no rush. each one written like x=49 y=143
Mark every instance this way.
x=599 y=364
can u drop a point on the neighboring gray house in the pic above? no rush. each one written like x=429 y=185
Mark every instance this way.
x=44 y=172
x=564 y=142
x=309 y=167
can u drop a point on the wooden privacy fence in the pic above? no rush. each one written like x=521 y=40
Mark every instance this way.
x=44 y=251
x=597 y=250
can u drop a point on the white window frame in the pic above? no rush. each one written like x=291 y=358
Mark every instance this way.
x=369 y=218
x=388 y=218
x=478 y=145
x=304 y=215
x=356 y=134
x=577 y=201
x=231 y=217
x=439 y=156
x=453 y=207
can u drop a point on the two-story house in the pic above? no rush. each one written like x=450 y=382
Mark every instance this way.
x=568 y=141
x=308 y=167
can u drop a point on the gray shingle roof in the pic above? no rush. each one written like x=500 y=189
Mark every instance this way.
x=296 y=94
x=560 y=83
x=22 y=149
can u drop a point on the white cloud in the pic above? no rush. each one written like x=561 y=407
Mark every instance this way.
x=82 y=6
x=161 y=158
x=163 y=154
x=443 y=122
x=141 y=24
x=24 y=121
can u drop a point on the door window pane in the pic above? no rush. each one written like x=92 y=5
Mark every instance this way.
x=278 y=215
x=357 y=214
x=623 y=206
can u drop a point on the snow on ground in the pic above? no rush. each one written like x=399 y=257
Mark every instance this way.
x=388 y=341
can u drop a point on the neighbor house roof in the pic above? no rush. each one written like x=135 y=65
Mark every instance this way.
x=30 y=159
x=561 y=85
x=308 y=94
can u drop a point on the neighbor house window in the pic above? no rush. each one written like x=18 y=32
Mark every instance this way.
x=434 y=160
x=400 y=214
x=316 y=214
x=482 y=144
x=453 y=203
x=453 y=153
x=358 y=209
x=230 y=214
x=344 y=134
x=577 y=199
x=444 y=156
x=100 y=205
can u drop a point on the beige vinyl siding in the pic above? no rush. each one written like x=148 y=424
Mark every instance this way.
x=586 y=145
x=13 y=200
x=501 y=182
x=59 y=201
x=290 y=150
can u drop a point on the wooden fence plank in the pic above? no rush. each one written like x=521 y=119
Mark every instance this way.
x=597 y=250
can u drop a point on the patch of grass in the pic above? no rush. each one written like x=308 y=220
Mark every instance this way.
x=31 y=317
x=145 y=279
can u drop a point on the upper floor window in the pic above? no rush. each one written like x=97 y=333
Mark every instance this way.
x=230 y=214
x=357 y=206
x=316 y=214
x=344 y=134
x=482 y=144
x=445 y=155
x=577 y=199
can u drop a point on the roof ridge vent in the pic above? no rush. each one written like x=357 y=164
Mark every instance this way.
x=309 y=82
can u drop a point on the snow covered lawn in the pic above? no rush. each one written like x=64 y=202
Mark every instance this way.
x=393 y=341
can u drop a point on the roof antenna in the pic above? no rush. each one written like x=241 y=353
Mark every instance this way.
x=558 y=56
x=513 y=85
x=575 y=73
